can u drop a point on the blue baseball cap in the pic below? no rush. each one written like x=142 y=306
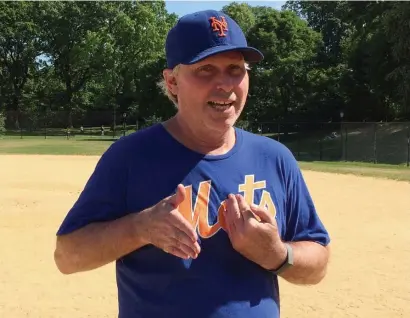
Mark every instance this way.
x=201 y=34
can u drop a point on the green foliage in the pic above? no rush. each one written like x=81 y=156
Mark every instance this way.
x=151 y=120
x=397 y=30
x=2 y=123
x=242 y=13
x=62 y=61
x=20 y=44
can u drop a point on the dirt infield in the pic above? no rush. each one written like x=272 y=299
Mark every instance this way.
x=368 y=219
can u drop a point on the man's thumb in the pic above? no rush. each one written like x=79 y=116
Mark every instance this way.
x=179 y=196
x=262 y=213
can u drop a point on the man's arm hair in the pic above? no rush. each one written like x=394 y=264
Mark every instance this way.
x=97 y=244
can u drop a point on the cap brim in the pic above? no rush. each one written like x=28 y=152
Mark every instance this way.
x=250 y=54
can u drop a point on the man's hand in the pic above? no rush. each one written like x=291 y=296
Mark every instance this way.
x=254 y=233
x=165 y=227
x=100 y=243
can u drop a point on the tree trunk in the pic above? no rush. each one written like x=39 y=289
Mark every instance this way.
x=16 y=111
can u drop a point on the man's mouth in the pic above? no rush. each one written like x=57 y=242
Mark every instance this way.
x=220 y=105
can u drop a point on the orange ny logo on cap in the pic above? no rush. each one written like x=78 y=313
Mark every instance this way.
x=219 y=25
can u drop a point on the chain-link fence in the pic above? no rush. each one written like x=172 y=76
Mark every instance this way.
x=381 y=142
x=88 y=124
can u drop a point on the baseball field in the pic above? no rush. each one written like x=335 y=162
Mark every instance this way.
x=365 y=210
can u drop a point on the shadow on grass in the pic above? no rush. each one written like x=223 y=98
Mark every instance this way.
x=377 y=143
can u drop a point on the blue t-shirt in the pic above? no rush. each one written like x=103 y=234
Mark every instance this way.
x=141 y=169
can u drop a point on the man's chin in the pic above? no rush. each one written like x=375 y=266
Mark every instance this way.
x=220 y=125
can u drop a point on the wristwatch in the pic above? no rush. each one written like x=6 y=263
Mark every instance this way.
x=287 y=263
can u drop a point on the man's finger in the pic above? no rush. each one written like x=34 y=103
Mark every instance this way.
x=178 y=197
x=263 y=214
x=176 y=252
x=183 y=225
x=233 y=216
x=182 y=239
x=186 y=246
x=233 y=207
x=244 y=208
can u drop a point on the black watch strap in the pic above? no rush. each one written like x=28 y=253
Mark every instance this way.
x=287 y=263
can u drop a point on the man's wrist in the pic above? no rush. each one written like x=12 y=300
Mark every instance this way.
x=281 y=255
x=277 y=258
x=137 y=230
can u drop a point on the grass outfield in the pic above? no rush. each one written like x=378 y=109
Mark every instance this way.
x=393 y=172
x=86 y=145
x=96 y=145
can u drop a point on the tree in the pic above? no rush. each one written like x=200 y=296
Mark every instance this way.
x=73 y=45
x=242 y=14
x=397 y=30
x=74 y=58
x=20 y=45
x=289 y=47
x=134 y=38
x=330 y=19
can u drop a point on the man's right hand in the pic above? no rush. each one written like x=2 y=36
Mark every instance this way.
x=164 y=227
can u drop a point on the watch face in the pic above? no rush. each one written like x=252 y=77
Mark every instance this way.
x=290 y=254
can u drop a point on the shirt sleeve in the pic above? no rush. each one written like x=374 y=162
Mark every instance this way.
x=303 y=221
x=104 y=195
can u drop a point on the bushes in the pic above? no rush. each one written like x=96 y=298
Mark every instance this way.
x=2 y=124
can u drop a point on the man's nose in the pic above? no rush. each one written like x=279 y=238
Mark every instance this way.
x=225 y=83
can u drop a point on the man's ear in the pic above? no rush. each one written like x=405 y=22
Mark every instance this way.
x=170 y=81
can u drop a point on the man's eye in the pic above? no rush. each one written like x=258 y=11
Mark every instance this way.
x=205 y=69
x=237 y=69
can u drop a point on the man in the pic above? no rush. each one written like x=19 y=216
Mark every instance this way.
x=201 y=217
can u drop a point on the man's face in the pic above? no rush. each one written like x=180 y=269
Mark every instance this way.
x=213 y=92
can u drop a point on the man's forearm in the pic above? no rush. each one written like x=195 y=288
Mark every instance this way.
x=309 y=263
x=97 y=244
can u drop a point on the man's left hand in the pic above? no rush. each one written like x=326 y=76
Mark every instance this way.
x=254 y=233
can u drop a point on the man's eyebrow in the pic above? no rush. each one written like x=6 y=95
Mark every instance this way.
x=203 y=66
x=239 y=63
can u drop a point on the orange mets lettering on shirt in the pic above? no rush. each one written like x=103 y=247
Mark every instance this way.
x=198 y=214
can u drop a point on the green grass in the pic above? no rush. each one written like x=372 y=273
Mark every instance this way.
x=393 y=172
x=96 y=145
x=85 y=145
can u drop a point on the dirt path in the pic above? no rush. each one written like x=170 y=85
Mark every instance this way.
x=368 y=275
